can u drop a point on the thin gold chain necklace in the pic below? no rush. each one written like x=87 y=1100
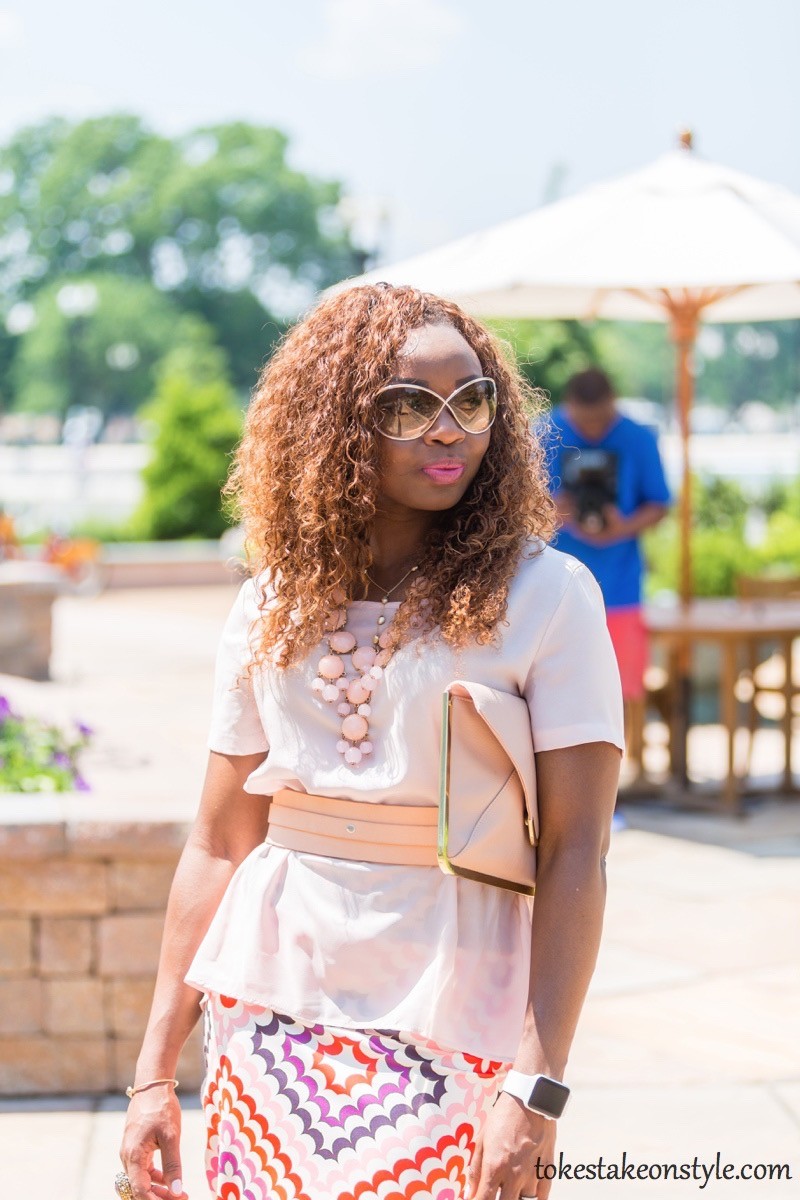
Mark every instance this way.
x=387 y=594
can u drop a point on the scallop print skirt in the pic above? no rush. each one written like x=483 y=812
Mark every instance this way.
x=304 y=1112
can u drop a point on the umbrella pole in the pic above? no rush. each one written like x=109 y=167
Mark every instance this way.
x=684 y=327
x=684 y=334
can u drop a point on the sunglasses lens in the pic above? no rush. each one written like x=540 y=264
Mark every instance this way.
x=405 y=412
x=474 y=407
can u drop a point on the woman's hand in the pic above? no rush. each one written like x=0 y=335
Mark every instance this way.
x=512 y=1153
x=153 y=1123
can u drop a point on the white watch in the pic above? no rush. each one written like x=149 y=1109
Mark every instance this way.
x=539 y=1093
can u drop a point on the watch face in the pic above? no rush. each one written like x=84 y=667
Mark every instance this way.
x=549 y=1096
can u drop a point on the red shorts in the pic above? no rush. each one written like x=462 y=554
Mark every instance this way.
x=629 y=639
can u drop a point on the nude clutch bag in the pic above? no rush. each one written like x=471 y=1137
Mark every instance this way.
x=488 y=819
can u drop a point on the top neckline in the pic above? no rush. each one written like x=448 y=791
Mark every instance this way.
x=374 y=603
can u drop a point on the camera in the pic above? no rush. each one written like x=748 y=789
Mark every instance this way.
x=590 y=477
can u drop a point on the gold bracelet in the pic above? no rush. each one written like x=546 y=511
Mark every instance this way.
x=130 y=1092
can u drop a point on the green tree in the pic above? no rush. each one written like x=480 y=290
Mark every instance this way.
x=196 y=423
x=641 y=358
x=549 y=352
x=740 y=363
x=217 y=220
x=95 y=341
x=733 y=363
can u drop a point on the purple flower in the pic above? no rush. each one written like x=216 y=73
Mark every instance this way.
x=60 y=759
x=81 y=785
x=5 y=708
x=83 y=729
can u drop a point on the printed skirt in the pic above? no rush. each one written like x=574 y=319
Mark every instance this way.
x=304 y=1112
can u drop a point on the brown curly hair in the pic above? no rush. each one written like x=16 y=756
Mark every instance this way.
x=306 y=478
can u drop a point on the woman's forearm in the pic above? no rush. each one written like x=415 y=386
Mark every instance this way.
x=230 y=822
x=567 y=924
x=200 y=881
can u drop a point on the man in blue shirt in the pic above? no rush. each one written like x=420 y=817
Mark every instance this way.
x=608 y=482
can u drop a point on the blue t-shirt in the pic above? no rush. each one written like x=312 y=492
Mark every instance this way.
x=618 y=567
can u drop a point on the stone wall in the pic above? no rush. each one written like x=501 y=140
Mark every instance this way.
x=82 y=899
x=26 y=622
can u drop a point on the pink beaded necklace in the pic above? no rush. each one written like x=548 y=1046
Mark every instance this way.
x=353 y=693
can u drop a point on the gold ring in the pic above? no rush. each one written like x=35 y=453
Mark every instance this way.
x=123 y=1186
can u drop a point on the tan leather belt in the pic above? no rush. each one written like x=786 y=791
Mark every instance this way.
x=378 y=833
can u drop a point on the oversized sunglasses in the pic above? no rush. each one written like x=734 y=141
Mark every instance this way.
x=406 y=410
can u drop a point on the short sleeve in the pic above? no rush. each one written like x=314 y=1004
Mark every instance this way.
x=236 y=726
x=573 y=687
x=653 y=486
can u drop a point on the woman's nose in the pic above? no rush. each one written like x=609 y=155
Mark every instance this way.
x=445 y=429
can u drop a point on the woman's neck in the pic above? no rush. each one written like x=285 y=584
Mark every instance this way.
x=397 y=545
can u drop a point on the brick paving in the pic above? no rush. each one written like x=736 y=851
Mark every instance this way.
x=690 y=1039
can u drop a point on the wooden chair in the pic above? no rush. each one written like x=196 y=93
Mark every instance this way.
x=657 y=695
x=762 y=685
x=768 y=587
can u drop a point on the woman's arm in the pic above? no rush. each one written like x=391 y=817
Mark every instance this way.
x=229 y=824
x=577 y=789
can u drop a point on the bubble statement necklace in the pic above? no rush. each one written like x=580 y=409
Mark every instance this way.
x=352 y=694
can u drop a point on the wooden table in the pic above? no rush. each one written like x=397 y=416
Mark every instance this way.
x=735 y=626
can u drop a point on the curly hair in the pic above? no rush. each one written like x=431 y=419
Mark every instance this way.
x=306 y=477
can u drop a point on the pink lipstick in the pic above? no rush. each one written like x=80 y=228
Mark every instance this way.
x=446 y=470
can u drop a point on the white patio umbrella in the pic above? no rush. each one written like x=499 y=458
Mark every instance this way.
x=680 y=241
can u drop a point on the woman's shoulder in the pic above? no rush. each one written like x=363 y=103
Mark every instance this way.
x=252 y=597
x=543 y=568
x=256 y=591
x=555 y=609
x=548 y=581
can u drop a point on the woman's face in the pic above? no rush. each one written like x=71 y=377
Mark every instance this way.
x=432 y=472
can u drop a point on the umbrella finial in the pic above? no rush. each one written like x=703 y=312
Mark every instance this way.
x=686 y=139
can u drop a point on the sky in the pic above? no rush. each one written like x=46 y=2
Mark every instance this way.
x=440 y=117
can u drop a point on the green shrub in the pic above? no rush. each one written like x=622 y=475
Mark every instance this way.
x=721 y=554
x=719 y=550
x=718 y=557
x=776 y=496
x=198 y=422
x=660 y=551
x=780 y=551
x=97 y=529
x=718 y=504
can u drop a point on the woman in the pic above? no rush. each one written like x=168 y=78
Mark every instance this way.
x=361 y=1016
